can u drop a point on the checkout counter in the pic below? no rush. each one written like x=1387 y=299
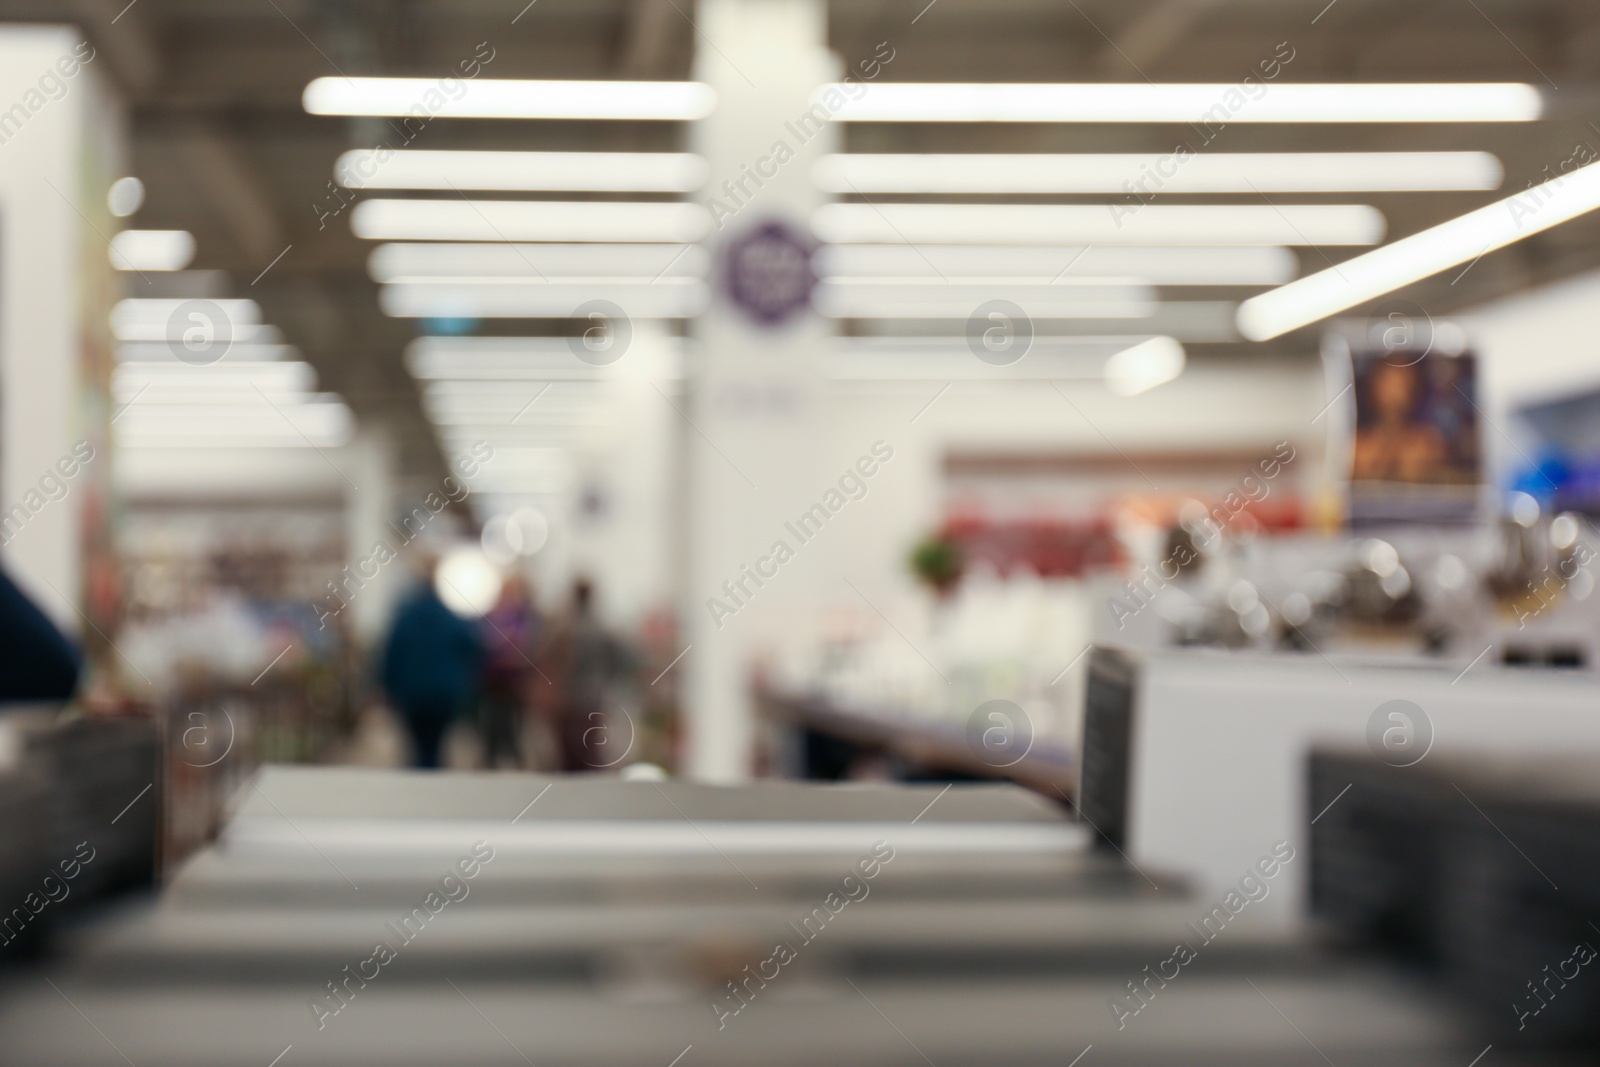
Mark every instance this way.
x=590 y=920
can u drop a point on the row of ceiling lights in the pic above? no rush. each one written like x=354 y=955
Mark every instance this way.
x=208 y=373
x=205 y=372
x=1260 y=318
x=858 y=230
x=464 y=259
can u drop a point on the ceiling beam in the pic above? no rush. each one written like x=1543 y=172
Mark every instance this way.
x=122 y=32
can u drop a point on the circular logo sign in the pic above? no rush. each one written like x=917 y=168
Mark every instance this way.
x=768 y=273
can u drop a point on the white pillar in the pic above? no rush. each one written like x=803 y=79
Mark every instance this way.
x=60 y=148
x=371 y=462
x=754 y=400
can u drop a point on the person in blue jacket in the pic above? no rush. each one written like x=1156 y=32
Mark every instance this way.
x=431 y=665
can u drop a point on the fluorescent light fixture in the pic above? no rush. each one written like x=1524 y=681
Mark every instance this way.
x=675 y=298
x=943 y=359
x=1205 y=105
x=173 y=381
x=460 y=439
x=508 y=359
x=590 y=172
x=1083 y=300
x=1247 y=264
x=1097 y=224
x=136 y=314
x=1411 y=259
x=1243 y=265
x=568 y=396
x=530 y=262
x=233 y=370
x=494 y=423
x=1144 y=366
x=152 y=250
x=319 y=422
x=1199 y=321
x=488 y=416
x=506 y=98
x=529 y=220
x=513 y=459
x=149 y=346
x=1198 y=173
x=509 y=493
x=512 y=398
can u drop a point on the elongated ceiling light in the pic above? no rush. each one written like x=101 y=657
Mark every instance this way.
x=1212 y=106
x=1168 y=173
x=152 y=250
x=171 y=381
x=1144 y=366
x=321 y=420
x=532 y=262
x=675 y=298
x=598 y=172
x=1127 y=364
x=1094 y=299
x=1100 y=224
x=505 y=98
x=528 y=220
x=1241 y=265
x=1411 y=259
x=504 y=359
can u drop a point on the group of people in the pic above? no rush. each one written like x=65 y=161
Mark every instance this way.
x=511 y=665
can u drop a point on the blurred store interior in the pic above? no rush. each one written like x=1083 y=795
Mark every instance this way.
x=607 y=475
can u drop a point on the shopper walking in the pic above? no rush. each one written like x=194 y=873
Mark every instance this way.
x=510 y=633
x=431 y=665
x=589 y=662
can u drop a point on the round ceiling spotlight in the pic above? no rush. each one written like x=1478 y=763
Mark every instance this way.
x=506 y=538
x=533 y=527
x=125 y=196
x=467 y=582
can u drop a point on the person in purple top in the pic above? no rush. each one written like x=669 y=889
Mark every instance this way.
x=510 y=633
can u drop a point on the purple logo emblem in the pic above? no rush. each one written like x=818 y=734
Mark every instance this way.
x=767 y=273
